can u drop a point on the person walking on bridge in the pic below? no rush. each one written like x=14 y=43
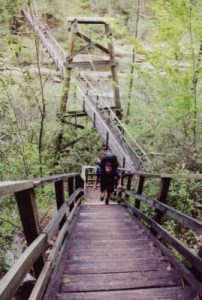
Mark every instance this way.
x=108 y=175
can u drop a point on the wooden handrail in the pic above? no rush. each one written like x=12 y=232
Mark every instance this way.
x=155 y=224
x=155 y=175
x=13 y=278
x=9 y=187
x=180 y=217
x=54 y=223
x=171 y=240
x=171 y=176
x=54 y=178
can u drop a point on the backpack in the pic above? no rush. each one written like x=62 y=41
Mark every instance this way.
x=109 y=157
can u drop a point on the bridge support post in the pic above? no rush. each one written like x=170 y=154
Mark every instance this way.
x=164 y=188
x=71 y=190
x=114 y=73
x=79 y=182
x=139 y=190
x=129 y=185
x=29 y=217
x=60 y=198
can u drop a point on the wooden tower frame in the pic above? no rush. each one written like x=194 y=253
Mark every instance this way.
x=75 y=33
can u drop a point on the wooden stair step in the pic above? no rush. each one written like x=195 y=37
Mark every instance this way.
x=118 y=281
x=110 y=255
x=164 y=293
x=116 y=265
x=103 y=226
x=107 y=236
x=110 y=243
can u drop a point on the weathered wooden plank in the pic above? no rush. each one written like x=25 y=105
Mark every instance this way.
x=63 y=232
x=109 y=243
x=55 y=280
x=101 y=228
x=104 y=221
x=103 y=218
x=52 y=179
x=119 y=281
x=106 y=235
x=98 y=207
x=115 y=265
x=75 y=113
x=9 y=187
x=95 y=253
x=182 y=176
x=40 y=286
x=90 y=65
x=54 y=223
x=11 y=281
x=103 y=214
x=174 y=176
x=164 y=293
x=102 y=208
x=74 y=196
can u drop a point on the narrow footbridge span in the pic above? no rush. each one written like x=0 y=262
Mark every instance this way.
x=92 y=251
x=96 y=81
x=89 y=250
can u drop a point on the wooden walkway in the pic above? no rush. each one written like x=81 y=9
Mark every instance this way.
x=109 y=256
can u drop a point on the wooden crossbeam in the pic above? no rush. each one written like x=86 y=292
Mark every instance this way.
x=87 y=46
x=87 y=20
x=75 y=114
x=87 y=64
x=88 y=40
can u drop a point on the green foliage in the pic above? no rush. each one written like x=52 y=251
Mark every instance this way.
x=181 y=197
x=166 y=103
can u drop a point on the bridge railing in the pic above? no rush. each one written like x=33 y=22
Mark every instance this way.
x=35 y=257
x=133 y=199
x=49 y=42
x=111 y=118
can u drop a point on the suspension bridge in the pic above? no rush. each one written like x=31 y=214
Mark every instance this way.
x=113 y=251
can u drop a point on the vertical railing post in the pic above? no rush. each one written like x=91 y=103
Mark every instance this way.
x=60 y=198
x=79 y=183
x=107 y=140
x=200 y=250
x=164 y=188
x=139 y=190
x=94 y=120
x=128 y=187
x=26 y=203
x=120 y=192
x=71 y=190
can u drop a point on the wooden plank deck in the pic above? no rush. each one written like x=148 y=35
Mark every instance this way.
x=108 y=256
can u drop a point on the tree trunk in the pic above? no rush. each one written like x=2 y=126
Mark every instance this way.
x=133 y=61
